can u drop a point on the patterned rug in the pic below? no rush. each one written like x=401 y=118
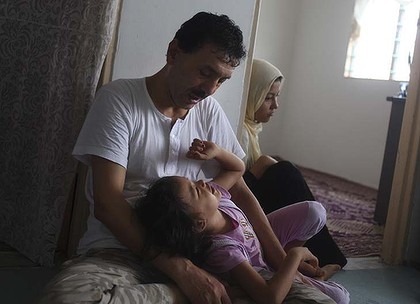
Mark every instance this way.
x=350 y=209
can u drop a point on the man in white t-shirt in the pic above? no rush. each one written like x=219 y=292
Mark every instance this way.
x=137 y=131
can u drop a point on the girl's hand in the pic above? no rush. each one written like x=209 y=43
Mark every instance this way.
x=202 y=150
x=305 y=256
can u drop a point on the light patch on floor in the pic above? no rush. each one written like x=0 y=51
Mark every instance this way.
x=364 y=263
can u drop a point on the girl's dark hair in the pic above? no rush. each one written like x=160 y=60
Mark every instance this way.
x=219 y=30
x=168 y=227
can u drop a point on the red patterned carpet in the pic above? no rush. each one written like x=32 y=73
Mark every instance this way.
x=350 y=209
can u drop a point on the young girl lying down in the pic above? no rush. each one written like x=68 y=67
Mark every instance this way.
x=197 y=220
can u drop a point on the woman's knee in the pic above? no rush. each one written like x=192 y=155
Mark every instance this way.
x=261 y=165
x=285 y=172
x=286 y=165
x=287 y=168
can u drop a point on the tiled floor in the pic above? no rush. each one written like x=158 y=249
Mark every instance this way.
x=369 y=281
x=384 y=285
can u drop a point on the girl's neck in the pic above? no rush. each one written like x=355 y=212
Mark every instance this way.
x=220 y=224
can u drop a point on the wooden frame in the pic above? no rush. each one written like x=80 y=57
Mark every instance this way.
x=107 y=68
x=401 y=200
x=248 y=67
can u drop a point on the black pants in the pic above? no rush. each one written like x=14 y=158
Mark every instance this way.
x=282 y=184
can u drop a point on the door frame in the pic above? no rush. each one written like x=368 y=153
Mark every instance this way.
x=403 y=186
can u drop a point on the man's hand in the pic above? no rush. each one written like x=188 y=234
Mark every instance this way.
x=199 y=286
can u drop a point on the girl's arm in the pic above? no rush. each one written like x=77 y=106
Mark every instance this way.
x=232 y=167
x=274 y=253
x=275 y=289
x=245 y=199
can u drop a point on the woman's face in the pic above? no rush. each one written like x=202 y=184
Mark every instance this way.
x=266 y=110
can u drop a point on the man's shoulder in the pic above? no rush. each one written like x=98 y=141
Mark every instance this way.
x=124 y=85
x=126 y=93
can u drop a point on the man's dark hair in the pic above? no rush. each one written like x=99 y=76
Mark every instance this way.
x=219 y=30
x=168 y=226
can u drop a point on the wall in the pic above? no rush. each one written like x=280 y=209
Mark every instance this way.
x=324 y=121
x=148 y=26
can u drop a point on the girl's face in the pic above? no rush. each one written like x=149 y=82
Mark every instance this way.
x=266 y=110
x=202 y=198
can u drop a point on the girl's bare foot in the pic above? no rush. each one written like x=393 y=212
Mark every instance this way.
x=328 y=271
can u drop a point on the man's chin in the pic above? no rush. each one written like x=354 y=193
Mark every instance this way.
x=191 y=104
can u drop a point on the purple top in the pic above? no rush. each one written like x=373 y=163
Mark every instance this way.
x=236 y=246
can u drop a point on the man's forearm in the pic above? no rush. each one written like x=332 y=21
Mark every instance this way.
x=111 y=208
x=174 y=267
x=121 y=220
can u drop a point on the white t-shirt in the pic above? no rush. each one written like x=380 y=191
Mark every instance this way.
x=125 y=127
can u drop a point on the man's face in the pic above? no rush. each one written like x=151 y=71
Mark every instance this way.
x=194 y=76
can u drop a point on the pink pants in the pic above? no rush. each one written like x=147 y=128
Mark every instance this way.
x=301 y=221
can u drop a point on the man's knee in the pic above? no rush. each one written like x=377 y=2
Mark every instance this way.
x=67 y=290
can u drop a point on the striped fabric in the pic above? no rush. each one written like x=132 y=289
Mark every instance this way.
x=110 y=276
x=114 y=276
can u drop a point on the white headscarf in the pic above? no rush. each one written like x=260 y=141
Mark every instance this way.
x=263 y=75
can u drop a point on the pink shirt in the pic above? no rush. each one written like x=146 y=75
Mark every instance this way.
x=238 y=245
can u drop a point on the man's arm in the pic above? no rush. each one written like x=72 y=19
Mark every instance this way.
x=113 y=210
x=245 y=199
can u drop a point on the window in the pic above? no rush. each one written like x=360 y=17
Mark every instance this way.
x=381 y=44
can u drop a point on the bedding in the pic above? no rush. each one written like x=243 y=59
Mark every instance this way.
x=113 y=276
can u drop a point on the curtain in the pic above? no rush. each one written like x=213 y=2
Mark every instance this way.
x=51 y=54
x=362 y=6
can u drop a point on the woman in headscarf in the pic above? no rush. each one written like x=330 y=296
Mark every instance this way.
x=277 y=183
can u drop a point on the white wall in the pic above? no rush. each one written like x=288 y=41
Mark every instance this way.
x=147 y=27
x=324 y=121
